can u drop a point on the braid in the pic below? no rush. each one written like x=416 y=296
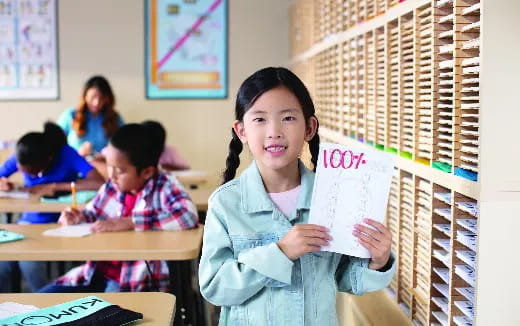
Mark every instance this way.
x=233 y=159
x=314 y=148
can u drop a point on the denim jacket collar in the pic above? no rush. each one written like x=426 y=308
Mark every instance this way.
x=255 y=198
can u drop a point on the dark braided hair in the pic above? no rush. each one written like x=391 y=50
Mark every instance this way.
x=251 y=89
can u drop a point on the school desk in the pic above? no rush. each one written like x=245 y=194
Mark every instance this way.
x=128 y=245
x=191 y=178
x=157 y=308
x=179 y=248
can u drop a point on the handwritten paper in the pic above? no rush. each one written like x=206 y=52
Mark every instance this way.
x=351 y=184
x=14 y=194
x=78 y=230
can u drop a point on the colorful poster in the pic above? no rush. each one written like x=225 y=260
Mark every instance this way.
x=28 y=50
x=186 y=49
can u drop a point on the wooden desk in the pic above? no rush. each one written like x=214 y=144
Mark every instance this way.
x=191 y=178
x=128 y=245
x=157 y=308
x=33 y=204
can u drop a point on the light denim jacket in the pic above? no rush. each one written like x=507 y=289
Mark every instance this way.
x=243 y=270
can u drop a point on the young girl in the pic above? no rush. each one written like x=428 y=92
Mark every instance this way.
x=261 y=261
x=137 y=196
x=89 y=126
x=48 y=165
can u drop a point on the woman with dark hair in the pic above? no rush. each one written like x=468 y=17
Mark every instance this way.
x=48 y=166
x=89 y=126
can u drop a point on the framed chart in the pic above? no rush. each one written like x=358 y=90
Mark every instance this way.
x=186 y=49
x=28 y=50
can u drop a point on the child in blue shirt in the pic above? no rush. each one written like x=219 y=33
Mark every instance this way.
x=263 y=266
x=48 y=165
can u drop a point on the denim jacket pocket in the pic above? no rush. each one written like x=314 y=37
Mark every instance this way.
x=248 y=241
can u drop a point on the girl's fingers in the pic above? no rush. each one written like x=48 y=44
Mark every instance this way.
x=369 y=232
x=316 y=234
x=379 y=226
x=317 y=242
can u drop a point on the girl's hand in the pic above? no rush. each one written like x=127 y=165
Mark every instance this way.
x=113 y=225
x=302 y=239
x=6 y=185
x=378 y=242
x=71 y=216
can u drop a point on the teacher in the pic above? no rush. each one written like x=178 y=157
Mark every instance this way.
x=90 y=125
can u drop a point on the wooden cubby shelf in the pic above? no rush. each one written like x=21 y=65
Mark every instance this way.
x=403 y=76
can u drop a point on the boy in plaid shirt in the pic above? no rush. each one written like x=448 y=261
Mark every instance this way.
x=137 y=196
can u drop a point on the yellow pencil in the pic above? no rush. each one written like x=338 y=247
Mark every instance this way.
x=73 y=192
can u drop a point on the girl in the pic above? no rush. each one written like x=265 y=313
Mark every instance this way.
x=261 y=261
x=89 y=126
x=48 y=165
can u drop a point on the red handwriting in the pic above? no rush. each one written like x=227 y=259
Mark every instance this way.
x=344 y=159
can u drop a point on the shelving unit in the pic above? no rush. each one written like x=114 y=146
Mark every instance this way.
x=409 y=83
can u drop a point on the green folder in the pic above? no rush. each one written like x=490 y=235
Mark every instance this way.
x=8 y=236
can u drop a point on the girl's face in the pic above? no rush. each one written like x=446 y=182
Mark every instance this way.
x=123 y=174
x=275 y=130
x=94 y=100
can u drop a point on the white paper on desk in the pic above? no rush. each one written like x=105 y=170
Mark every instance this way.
x=77 y=230
x=14 y=194
x=348 y=188
x=8 y=309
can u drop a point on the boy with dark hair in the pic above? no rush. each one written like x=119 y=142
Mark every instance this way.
x=137 y=196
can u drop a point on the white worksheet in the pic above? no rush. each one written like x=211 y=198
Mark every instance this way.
x=77 y=230
x=351 y=184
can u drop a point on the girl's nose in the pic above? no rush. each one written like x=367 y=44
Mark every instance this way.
x=274 y=130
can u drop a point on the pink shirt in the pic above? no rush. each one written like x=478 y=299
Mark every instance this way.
x=286 y=201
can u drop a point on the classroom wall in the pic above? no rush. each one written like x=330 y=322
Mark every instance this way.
x=107 y=37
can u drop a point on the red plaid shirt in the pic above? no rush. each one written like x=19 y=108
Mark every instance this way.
x=161 y=205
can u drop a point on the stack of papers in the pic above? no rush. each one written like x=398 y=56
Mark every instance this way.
x=444 y=274
x=466 y=273
x=462 y=321
x=466 y=307
x=442 y=288
x=14 y=194
x=469 y=207
x=468 y=293
x=443 y=196
x=468 y=223
x=467 y=238
x=467 y=256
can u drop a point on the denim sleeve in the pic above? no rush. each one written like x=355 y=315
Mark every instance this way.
x=354 y=276
x=9 y=167
x=225 y=280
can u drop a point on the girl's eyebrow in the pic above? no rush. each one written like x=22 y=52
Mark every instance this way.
x=260 y=111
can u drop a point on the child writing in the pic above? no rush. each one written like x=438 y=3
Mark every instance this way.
x=261 y=261
x=48 y=165
x=137 y=196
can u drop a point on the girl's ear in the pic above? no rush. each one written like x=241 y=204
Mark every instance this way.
x=312 y=127
x=238 y=127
